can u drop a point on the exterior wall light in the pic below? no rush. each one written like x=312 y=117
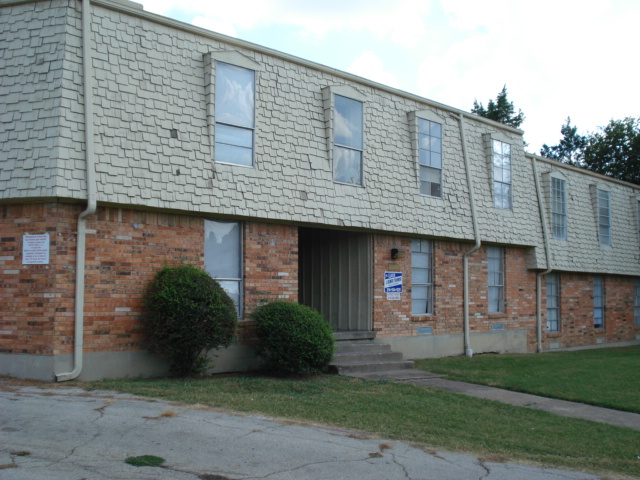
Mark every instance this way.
x=396 y=253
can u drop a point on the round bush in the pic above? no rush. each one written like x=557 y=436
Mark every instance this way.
x=187 y=314
x=293 y=339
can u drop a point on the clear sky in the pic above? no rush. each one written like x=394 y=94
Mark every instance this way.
x=558 y=58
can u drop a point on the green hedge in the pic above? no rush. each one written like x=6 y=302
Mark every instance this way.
x=293 y=339
x=187 y=314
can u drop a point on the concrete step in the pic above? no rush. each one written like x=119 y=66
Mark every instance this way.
x=360 y=355
x=357 y=369
x=371 y=357
x=355 y=347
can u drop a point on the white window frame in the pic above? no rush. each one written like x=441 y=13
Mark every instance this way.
x=329 y=98
x=553 y=302
x=427 y=168
x=210 y=263
x=237 y=60
x=558 y=208
x=598 y=302
x=495 y=280
x=422 y=261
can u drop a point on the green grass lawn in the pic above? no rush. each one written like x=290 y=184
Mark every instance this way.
x=607 y=377
x=431 y=418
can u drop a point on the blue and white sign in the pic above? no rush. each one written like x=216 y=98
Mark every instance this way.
x=392 y=282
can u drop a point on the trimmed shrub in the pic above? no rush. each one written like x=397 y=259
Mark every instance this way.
x=293 y=339
x=187 y=314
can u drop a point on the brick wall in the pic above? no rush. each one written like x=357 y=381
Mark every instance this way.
x=394 y=318
x=576 y=312
x=125 y=248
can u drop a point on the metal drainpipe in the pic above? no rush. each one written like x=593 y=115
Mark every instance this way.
x=545 y=236
x=465 y=258
x=91 y=196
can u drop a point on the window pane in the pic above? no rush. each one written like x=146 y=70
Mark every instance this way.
x=419 y=307
x=222 y=256
x=233 y=290
x=234 y=95
x=425 y=157
x=435 y=130
x=419 y=292
x=348 y=122
x=420 y=259
x=420 y=275
x=436 y=160
x=237 y=136
x=235 y=155
x=348 y=165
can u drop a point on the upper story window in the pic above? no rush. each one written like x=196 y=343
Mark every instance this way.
x=234 y=114
x=559 y=208
x=421 y=276
x=430 y=157
x=348 y=141
x=344 y=108
x=501 y=174
x=604 y=217
x=495 y=270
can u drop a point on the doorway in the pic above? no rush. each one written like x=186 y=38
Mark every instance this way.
x=335 y=276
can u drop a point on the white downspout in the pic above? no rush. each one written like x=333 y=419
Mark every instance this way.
x=545 y=236
x=91 y=196
x=465 y=258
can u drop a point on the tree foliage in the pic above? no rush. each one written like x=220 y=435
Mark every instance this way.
x=571 y=147
x=501 y=110
x=613 y=151
x=187 y=314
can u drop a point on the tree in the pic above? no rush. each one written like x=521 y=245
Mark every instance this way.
x=570 y=150
x=502 y=110
x=613 y=151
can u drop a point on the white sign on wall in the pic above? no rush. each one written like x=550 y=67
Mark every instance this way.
x=35 y=249
x=393 y=285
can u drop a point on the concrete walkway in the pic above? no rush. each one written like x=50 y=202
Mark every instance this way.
x=70 y=434
x=559 y=407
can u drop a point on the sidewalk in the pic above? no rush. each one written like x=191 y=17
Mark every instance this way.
x=559 y=407
x=65 y=433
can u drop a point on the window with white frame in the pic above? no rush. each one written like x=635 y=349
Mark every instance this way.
x=234 y=114
x=495 y=268
x=502 y=174
x=559 y=208
x=598 y=302
x=636 y=303
x=430 y=157
x=553 y=302
x=421 y=276
x=223 y=257
x=604 y=217
x=348 y=140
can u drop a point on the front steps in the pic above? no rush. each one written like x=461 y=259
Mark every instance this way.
x=357 y=354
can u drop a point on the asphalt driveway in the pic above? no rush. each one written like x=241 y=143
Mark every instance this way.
x=70 y=434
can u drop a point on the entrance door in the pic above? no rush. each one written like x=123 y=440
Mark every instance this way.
x=335 y=276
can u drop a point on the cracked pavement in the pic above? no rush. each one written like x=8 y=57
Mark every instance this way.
x=70 y=434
